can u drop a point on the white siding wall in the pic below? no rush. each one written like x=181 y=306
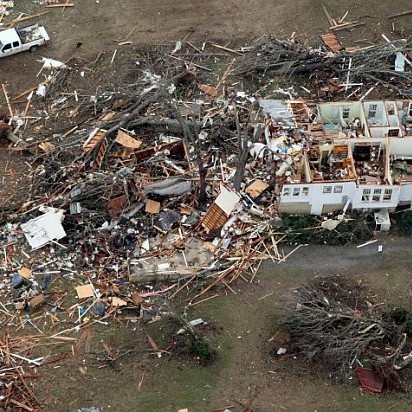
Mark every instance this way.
x=376 y=197
x=377 y=132
x=401 y=147
x=363 y=197
x=380 y=118
x=405 y=193
x=318 y=194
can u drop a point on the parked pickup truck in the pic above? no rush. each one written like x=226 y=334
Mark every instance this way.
x=16 y=40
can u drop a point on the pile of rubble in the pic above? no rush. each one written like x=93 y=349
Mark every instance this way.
x=352 y=72
x=146 y=169
x=161 y=175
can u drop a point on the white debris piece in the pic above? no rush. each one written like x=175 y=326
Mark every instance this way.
x=400 y=62
x=51 y=64
x=330 y=224
x=177 y=47
x=41 y=90
x=192 y=324
x=44 y=229
x=227 y=200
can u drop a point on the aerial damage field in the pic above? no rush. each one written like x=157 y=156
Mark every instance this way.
x=126 y=354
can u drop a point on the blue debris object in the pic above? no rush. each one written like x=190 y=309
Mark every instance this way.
x=17 y=280
x=99 y=308
x=45 y=280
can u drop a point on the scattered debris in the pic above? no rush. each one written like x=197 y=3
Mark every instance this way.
x=176 y=182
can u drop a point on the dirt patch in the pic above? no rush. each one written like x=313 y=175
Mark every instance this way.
x=100 y=26
x=14 y=176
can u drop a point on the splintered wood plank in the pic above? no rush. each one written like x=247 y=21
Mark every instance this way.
x=332 y=42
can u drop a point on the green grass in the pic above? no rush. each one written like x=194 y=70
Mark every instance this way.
x=177 y=387
x=179 y=383
x=351 y=399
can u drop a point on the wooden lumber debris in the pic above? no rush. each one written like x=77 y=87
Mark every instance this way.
x=332 y=42
x=328 y=16
x=16 y=373
x=404 y=13
x=347 y=26
x=49 y=6
x=226 y=49
x=22 y=19
x=340 y=24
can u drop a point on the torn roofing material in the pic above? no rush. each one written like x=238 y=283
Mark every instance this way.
x=44 y=229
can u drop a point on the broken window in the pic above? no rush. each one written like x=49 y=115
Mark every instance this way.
x=327 y=189
x=387 y=195
x=376 y=195
x=305 y=191
x=296 y=191
x=345 y=112
x=391 y=109
x=286 y=191
x=393 y=132
x=338 y=189
x=372 y=110
x=366 y=195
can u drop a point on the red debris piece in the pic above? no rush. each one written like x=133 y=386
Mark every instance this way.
x=369 y=380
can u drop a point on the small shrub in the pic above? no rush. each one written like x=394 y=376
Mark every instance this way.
x=203 y=351
x=404 y=223
x=306 y=229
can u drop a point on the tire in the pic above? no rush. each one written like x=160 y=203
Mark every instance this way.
x=33 y=48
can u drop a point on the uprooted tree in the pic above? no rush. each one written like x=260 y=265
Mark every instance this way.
x=335 y=322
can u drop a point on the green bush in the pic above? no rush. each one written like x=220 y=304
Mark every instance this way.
x=202 y=350
x=306 y=229
x=404 y=223
x=402 y=318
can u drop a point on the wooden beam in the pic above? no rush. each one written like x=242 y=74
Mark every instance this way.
x=7 y=100
x=405 y=13
x=20 y=19
x=52 y=6
x=328 y=16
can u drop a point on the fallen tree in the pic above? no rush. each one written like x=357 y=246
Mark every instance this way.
x=335 y=322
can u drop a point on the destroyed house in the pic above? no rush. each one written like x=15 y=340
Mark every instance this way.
x=374 y=119
x=356 y=154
